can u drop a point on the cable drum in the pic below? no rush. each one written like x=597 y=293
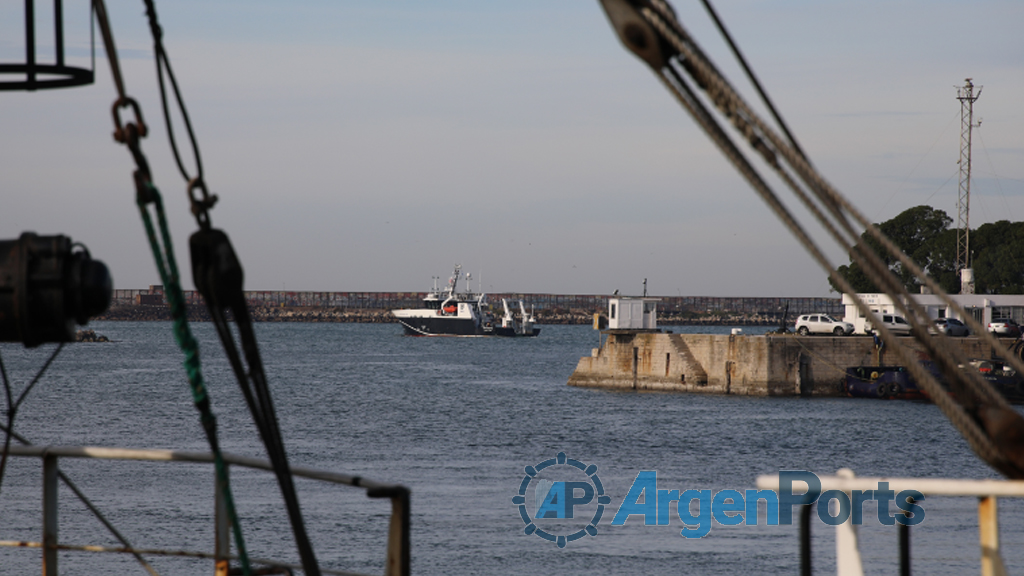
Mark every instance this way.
x=47 y=285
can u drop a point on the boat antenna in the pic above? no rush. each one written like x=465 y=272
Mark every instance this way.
x=645 y=287
x=967 y=96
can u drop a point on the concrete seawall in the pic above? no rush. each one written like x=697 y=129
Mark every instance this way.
x=772 y=365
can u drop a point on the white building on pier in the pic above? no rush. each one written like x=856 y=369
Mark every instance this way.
x=983 y=307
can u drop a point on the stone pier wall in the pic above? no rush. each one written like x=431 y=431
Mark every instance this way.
x=772 y=365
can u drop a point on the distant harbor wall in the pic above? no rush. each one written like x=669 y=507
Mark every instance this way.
x=771 y=365
x=550 y=308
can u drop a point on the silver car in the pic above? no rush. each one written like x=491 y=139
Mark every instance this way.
x=822 y=324
x=951 y=327
x=896 y=324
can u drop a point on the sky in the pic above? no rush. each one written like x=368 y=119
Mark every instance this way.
x=370 y=146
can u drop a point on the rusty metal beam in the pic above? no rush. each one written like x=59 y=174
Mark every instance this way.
x=49 y=515
x=988 y=531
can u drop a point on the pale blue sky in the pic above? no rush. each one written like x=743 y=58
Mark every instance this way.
x=370 y=146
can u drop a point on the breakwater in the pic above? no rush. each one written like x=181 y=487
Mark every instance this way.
x=198 y=313
x=373 y=307
x=770 y=365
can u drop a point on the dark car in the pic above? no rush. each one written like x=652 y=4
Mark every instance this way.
x=1004 y=328
x=951 y=327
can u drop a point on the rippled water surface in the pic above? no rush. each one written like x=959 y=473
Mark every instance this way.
x=456 y=420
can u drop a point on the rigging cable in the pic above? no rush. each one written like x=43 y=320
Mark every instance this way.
x=650 y=29
x=970 y=388
x=147 y=194
x=753 y=78
x=12 y=405
x=218 y=276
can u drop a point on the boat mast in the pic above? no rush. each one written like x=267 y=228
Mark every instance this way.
x=454 y=280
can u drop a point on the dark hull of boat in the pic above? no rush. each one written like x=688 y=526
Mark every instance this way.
x=887 y=382
x=884 y=382
x=428 y=326
x=509 y=332
x=441 y=327
x=1011 y=387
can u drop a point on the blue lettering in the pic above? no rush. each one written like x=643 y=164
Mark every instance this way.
x=786 y=497
x=571 y=499
x=844 y=507
x=883 y=495
x=914 y=513
x=859 y=498
x=728 y=501
x=771 y=503
x=730 y=507
x=554 y=503
x=645 y=485
x=703 y=518
x=665 y=499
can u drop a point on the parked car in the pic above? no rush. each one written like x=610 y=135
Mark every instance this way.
x=1004 y=328
x=822 y=324
x=896 y=324
x=951 y=327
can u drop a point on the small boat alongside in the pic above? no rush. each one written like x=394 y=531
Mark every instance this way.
x=1003 y=378
x=885 y=382
x=447 y=312
x=888 y=382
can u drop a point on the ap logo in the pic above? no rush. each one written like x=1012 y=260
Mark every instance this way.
x=568 y=485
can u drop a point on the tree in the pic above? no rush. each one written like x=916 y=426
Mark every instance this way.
x=996 y=252
x=922 y=233
x=998 y=258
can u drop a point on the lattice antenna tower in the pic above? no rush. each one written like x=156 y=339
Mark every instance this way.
x=966 y=96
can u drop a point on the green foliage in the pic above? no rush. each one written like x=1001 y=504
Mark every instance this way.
x=998 y=258
x=923 y=233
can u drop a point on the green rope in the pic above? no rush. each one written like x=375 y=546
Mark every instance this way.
x=168 y=269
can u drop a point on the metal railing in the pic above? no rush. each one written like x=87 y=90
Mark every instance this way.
x=848 y=559
x=397 y=556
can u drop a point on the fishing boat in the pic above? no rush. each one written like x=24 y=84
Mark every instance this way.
x=895 y=382
x=999 y=374
x=513 y=326
x=886 y=382
x=447 y=312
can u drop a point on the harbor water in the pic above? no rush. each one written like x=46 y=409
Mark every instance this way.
x=457 y=420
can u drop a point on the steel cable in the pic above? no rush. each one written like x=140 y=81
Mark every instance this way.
x=729 y=101
x=204 y=242
x=658 y=15
x=732 y=105
x=163 y=65
x=13 y=405
x=975 y=436
x=146 y=194
x=168 y=270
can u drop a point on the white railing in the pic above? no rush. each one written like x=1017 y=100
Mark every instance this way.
x=397 y=561
x=848 y=560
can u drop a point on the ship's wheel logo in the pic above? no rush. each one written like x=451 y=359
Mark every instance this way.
x=557 y=493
